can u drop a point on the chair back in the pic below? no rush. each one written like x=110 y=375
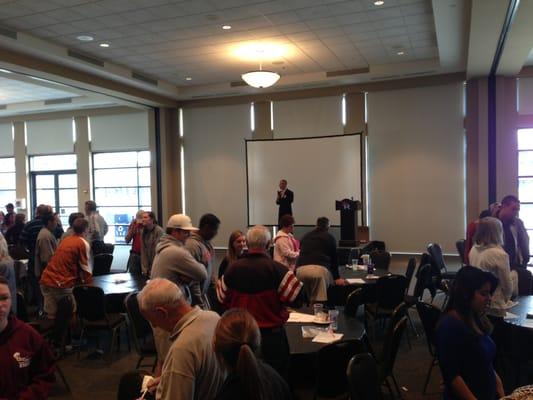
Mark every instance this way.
x=354 y=300
x=430 y=278
x=139 y=326
x=437 y=258
x=391 y=345
x=22 y=307
x=332 y=362
x=64 y=312
x=390 y=291
x=410 y=270
x=429 y=316
x=90 y=301
x=102 y=264
x=380 y=259
x=412 y=282
x=363 y=380
x=460 y=246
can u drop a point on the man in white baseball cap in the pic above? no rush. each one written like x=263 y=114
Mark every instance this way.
x=174 y=262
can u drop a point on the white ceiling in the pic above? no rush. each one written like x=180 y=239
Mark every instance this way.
x=13 y=91
x=170 y=40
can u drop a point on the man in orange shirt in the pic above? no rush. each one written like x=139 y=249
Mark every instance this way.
x=68 y=267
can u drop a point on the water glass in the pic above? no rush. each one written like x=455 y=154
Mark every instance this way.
x=333 y=316
x=354 y=264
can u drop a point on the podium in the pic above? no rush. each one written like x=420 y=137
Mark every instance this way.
x=348 y=209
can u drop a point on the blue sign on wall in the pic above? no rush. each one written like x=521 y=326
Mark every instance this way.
x=121 y=227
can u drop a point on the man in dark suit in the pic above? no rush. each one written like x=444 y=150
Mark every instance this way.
x=284 y=199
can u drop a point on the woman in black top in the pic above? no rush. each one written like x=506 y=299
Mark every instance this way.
x=236 y=340
x=236 y=246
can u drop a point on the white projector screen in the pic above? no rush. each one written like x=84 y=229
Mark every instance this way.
x=318 y=170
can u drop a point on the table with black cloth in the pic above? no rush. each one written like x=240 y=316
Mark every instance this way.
x=337 y=295
x=351 y=328
x=518 y=335
x=116 y=287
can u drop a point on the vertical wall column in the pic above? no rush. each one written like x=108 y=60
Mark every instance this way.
x=155 y=164
x=477 y=149
x=83 y=154
x=170 y=143
x=355 y=122
x=262 y=112
x=506 y=138
x=21 y=167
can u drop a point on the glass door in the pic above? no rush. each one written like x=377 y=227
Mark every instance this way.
x=58 y=189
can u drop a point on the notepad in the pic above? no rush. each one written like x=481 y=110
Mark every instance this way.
x=355 y=281
x=327 y=337
x=300 y=317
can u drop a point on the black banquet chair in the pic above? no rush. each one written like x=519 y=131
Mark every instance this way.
x=102 y=264
x=390 y=293
x=437 y=259
x=140 y=331
x=363 y=379
x=429 y=316
x=94 y=317
x=332 y=362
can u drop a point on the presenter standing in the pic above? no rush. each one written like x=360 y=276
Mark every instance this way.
x=284 y=199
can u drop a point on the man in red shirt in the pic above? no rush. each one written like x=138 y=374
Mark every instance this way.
x=264 y=288
x=26 y=361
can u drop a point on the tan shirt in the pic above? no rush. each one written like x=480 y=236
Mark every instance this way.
x=191 y=370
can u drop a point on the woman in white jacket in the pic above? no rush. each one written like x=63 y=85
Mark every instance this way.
x=489 y=255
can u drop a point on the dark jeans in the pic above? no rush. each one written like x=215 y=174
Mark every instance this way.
x=275 y=350
x=134 y=264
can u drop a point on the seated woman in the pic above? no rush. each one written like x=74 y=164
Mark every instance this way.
x=286 y=247
x=464 y=348
x=236 y=246
x=489 y=255
x=237 y=339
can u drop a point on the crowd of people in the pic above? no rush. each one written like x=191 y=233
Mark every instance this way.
x=220 y=334
x=472 y=330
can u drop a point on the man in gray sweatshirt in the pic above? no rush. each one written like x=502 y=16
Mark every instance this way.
x=174 y=262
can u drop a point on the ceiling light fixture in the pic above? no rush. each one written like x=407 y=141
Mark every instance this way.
x=85 y=38
x=260 y=79
x=188 y=78
x=226 y=27
x=106 y=45
x=379 y=2
x=401 y=53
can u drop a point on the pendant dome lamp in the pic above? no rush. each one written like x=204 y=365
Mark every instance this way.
x=260 y=78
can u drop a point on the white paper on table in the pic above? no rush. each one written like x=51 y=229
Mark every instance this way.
x=355 y=281
x=528 y=323
x=300 y=317
x=509 y=315
x=327 y=337
x=510 y=304
x=372 y=277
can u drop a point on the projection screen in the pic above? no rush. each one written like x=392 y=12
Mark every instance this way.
x=319 y=170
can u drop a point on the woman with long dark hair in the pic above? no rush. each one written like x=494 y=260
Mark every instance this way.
x=236 y=341
x=465 y=350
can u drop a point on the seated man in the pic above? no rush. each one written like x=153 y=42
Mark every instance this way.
x=263 y=287
x=27 y=363
x=190 y=369
x=317 y=265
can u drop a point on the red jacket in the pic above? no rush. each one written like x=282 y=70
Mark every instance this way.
x=26 y=363
x=260 y=285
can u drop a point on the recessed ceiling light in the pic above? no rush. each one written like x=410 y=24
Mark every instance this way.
x=85 y=38
x=401 y=53
x=379 y=2
x=226 y=27
x=188 y=78
x=104 y=44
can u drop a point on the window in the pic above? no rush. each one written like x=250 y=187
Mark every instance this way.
x=7 y=181
x=54 y=182
x=121 y=188
x=525 y=177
